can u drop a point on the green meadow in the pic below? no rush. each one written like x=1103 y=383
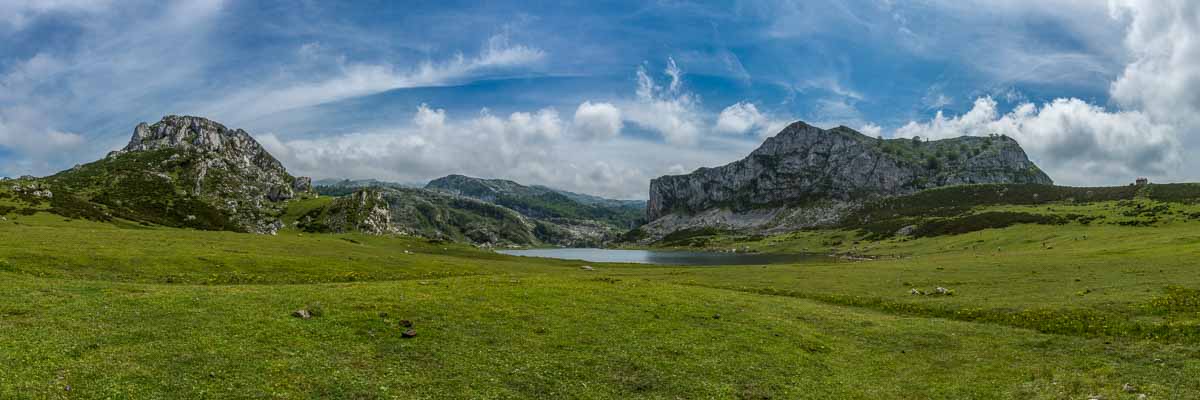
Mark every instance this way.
x=1062 y=310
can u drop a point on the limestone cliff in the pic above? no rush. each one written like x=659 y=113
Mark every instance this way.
x=806 y=176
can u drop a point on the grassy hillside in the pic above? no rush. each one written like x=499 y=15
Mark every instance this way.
x=119 y=310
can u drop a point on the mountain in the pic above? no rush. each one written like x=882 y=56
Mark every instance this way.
x=541 y=202
x=597 y=200
x=187 y=172
x=420 y=212
x=342 y=187
x=807 y=177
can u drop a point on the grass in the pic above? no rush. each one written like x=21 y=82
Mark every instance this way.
x=119 y=310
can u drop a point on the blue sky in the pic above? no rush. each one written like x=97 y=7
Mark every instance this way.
x=600 y=97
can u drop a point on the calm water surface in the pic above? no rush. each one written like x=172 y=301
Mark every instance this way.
x=666 y=257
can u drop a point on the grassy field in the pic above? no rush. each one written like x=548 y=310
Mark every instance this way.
x=118 y=310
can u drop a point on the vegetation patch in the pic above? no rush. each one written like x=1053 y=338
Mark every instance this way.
x=1176 y=299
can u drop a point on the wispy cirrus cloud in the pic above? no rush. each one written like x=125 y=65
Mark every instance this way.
x=353 y=79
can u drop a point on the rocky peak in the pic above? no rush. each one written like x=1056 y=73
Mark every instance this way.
x=804 y=166
x=197 y=134
x=193 y=172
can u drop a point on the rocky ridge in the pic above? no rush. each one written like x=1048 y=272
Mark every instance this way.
x=809 y=177
x=191 y=172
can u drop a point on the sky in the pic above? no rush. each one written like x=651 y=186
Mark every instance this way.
x=599 y=97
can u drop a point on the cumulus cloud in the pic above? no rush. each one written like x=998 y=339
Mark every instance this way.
x=1158 y=95
x=739 y=118
x=669 y=111
x=744 y=117
x=1163 y=79
x=525 y=146
x=872 y=130
x=598 y=120
x=1076 y=142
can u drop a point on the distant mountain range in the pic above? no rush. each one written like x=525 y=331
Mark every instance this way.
x=192 y=172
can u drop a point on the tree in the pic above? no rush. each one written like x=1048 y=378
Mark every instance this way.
x=932 y=163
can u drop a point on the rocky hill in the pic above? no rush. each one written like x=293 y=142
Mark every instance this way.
x=807 y=176
x=187 y=172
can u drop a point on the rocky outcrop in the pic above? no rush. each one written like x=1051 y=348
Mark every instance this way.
x=806 y=176
x=190 y=172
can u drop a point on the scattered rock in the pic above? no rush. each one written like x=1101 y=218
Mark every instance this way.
x=916 y=292
x=1142 y=396
x=587 y=268
x=943 y=291
x=302 y=314
x=906 y=231
x=406 y=323
x=1129 y=388
x=408 y=334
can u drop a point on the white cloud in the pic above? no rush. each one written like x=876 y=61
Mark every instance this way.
x=1164 y=77
x=1159 y=97
x=671 y=111
x=598 y=120
x=871 y=130
x=23 y=129
x=521 y=146
x=1075 y=142
x=739 y=118
x=114 y=66
x=360 y=79
x=744 y=117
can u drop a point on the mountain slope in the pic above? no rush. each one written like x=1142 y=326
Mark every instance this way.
x=542 y=202
x=806 y=176
x=187 y=172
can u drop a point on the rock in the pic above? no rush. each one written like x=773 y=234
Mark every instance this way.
x=906 y=231
x=1142 y=396
x=1096 y=397
x=209 y=166
x=840 y=168
x=587 y=268
x=408 y=334
x=1129 y=388
x=716 y=316
x=302 y=184
x=916 y=292
x=302 y=314
x=943 y=291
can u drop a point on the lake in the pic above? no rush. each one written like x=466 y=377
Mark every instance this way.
x=663 y=257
